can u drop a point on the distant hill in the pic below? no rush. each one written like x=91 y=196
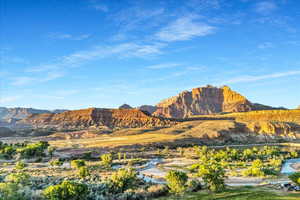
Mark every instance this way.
x=125 y=106
x=148 y=108
x=21 y=113
x=95 y=117
x=206 y=100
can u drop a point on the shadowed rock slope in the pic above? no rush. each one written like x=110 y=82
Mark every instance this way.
x=205 y=100
x=95 y=118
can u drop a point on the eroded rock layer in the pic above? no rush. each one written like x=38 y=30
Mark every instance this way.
x=204 y=100
x=95 y=117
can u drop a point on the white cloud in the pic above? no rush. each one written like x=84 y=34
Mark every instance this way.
x=265 y=7
x=261 y=77
x=184 y=28
x=66 y=36
x=25 y=80
x=164 y=66
x=100 y=7
x=121 y=51
x=8 y=99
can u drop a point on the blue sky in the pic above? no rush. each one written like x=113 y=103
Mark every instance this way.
x=103 y=53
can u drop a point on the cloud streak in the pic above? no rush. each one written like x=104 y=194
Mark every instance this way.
x=261 y=77
x=265 y=7
x=123 y=50
x=163 y=66
x=184 y=28
x=66 y=36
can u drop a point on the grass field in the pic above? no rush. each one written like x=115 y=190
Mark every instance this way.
x=240 y=193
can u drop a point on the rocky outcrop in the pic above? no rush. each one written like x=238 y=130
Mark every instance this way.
x=203 y=101
x=148 y=108
x=95 y=117
x=125 y=106
x=7 y=114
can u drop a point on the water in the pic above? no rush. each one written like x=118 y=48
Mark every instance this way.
x=287 y=168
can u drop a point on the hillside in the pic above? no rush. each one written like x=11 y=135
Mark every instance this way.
x=95 y=118
x=8 y=114
x=205 y=100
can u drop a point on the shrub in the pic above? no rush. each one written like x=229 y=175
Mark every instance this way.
x=77 y=163
x=158 y=190
x=51 y=151
x=213 y=175
x=295 y=177
x=119 y=156
x=18 y=178
x=176 y=181
x=33 y=150
x=67 y=190
x=83 y=172
x=10 y=191
x=56 y=162
x=122 y=180
x=106 y=160
x=256 y=169
x=20 y=165
x=193 y=185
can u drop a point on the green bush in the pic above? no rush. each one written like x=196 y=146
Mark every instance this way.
x=176 y=181
x=256 y=169
x=33 y=150
x=56 y=162
x=10 y=191
x=20 y=165
x=106 y=160
x=213 y=175
x=122 y=180
x=83 y=172
x=67 y=190
x=77 y=163
x=295 y=177
x=193 y=185
x=18 y=178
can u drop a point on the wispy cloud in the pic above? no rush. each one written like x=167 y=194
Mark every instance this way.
x=136 y=19
x=184 y=28
x=261 y=77
x=265 y=7
x=22 y=80
x=66 y=36
x=8 y=99
x=25 y=80
x=203 y=4
x=163 y=66
x=99 y=52
x=100 y=7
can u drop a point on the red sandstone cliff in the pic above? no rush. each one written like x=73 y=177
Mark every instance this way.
x=204 y=100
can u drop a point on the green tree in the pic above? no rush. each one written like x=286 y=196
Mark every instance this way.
x=106 y=160
x=119 y=156
x=77 y=163
x=18 y=178
x=213 y=175
x=67 y=190
x=20 y=165
x=50 y=150
x=295 y=177
x=122 y=180
x=83 y=172
x=176 y=181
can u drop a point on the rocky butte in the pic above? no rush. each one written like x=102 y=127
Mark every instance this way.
x=205 y=100
x=95 y=117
